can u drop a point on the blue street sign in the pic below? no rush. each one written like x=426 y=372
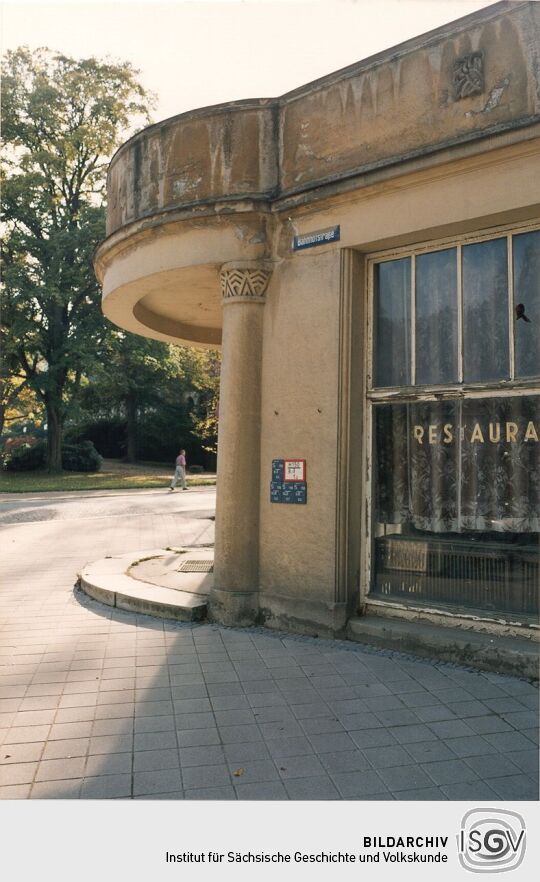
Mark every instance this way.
x=319 y=237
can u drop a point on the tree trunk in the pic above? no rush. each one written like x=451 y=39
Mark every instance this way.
x=53 y=460
x=131 y=410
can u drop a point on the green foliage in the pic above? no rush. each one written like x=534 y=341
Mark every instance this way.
x=27 y=458
x=204 y=416
x=108 y=435
x=81 y=457
x=75 y=458
x=144 y=399
x=61 y=120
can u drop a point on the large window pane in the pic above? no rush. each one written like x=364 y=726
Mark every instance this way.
x=456 y=514
x=436 y=317
x=527 y=304
x=485 y=312
x=393 y=323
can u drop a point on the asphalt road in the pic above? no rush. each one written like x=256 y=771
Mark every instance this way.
x=32 y=508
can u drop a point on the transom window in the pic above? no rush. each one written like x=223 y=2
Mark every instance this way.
x=465 y=314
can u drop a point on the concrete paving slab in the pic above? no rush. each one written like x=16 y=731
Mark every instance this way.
x=140 y=707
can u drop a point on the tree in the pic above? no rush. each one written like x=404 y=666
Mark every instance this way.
x=18 y=402
x=62 y=118
x=159 y=394
x=205 y=414
x=16 y=398
x=133 y=378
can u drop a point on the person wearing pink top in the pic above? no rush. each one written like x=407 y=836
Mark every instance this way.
x=180 y=471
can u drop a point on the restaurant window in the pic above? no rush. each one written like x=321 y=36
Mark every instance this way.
x=454 y=408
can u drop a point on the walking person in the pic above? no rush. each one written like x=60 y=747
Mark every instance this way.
x=180 y=471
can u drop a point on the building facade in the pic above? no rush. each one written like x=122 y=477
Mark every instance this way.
x=366 y=252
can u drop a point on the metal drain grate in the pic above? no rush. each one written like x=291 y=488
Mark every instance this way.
x=196 y=566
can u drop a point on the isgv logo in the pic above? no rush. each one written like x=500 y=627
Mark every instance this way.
x=491 y=840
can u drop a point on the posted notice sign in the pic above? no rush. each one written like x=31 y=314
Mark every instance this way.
x=294 y=470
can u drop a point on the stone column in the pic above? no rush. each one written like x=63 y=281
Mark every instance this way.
x=235 y=596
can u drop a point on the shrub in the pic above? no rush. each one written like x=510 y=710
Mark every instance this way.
x=107 y=435
x=75 y=458
x=81 y=457
x=26 y=459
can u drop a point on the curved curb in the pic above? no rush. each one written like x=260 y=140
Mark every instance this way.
x=106 y=581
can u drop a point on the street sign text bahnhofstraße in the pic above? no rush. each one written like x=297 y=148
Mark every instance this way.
x=319 y=237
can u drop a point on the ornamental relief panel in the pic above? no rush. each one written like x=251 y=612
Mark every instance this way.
x=245 y=284
x=468 y=75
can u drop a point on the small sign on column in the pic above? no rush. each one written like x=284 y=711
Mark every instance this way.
x=288 y=484
x=294 y=470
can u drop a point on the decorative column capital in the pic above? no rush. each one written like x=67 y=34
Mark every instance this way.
x=245 y=281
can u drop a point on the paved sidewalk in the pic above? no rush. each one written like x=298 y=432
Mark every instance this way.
x=97 y=703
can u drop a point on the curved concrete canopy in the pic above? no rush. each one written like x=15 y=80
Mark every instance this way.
x=210 y=186
x=151 y=306
x=162 y=280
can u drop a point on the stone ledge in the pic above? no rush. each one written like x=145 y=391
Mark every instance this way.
x=280 y=149
x=109 y=581
x=514 y=656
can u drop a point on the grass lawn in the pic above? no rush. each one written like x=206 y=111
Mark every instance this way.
x=114 y=475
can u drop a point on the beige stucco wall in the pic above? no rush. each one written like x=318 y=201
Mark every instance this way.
x=383 y=108
x=464 y=195
x=299 y=420
x=397 y=105
x=300 y=545
x=210 y=185
x=193 y=159
x=299 y=550
x=383 y=150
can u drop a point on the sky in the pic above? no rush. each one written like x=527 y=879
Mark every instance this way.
x=194 y=53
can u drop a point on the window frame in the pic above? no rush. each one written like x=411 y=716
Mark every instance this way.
x=405 y=392
x=431 y=392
